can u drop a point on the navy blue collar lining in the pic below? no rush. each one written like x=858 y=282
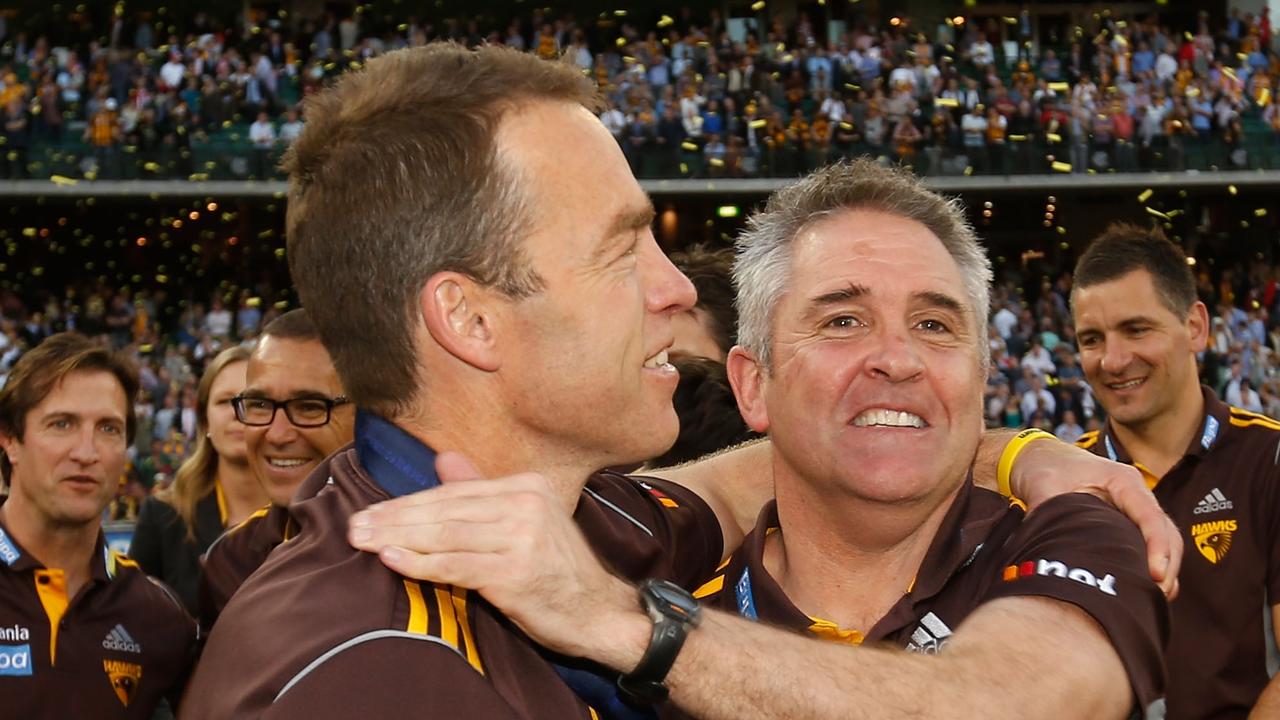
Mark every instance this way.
x=398 y=462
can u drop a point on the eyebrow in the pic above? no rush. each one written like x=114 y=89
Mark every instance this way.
x=297 y=395
x=940 y=300
x=629 y=219
x=821 y=302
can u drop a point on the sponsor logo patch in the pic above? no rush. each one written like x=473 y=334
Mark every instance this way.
x=8 y=553
x=1213 y=539
x=1213 y=502
x=124 y=678
x=1046 y=568
x=15 y=660
x=14 y=633
x=119 y=639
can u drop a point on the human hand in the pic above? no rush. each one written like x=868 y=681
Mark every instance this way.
x=512 y=540
x=1046 y=469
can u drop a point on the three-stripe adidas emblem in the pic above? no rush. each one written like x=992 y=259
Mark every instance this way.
x=929 y=636
x=120 y=639
x=1213 y=502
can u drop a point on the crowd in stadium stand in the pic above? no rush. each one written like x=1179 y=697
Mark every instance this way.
x=1035 y=379
x=685 y=96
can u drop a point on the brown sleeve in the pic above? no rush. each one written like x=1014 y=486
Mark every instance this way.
x=650 y=528
x=399 y=676
x=1077 y=549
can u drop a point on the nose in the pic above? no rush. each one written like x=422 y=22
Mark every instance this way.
x=895 y=357
x=666 y=288
x=281 y=431
x=1115 y=357
x=85 y=450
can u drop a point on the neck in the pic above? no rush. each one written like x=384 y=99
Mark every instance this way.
x=1159 y=443
x=851 y=573
x=498 y=448
x=240 y=489
x=68 y=548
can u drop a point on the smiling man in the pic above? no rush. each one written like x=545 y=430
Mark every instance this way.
x=295 y=414
x=1213 y=467
x=83 y=631
x=862 y=297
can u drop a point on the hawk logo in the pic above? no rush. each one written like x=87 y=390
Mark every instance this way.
x=1213 y=539
x=124 y=678
x=1213 y=502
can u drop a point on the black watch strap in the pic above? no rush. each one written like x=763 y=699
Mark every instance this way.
x=675 y=612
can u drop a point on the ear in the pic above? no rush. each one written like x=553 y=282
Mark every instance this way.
x=1198 y=326
x=458 y=314
x=748 y=377
x=8 y=445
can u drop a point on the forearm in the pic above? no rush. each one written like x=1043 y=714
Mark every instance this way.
x=733 y=669
x=1268 y=705
x=736 y=483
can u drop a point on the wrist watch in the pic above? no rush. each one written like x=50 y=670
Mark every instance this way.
x=674 y=612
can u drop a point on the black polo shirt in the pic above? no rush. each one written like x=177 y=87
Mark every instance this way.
x=1224 y=495
x=1073 y=548
x=112 y=651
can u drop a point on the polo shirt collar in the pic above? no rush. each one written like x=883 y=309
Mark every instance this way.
x=397 y=462
x=960 y=536
x=1213 y=422
x=16 y=558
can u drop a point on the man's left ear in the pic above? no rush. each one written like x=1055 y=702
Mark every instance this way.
x=1198 y=326
x=747 y=376
x=457 y=312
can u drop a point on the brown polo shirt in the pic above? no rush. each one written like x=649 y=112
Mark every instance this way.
x=235 y=555
x=112 y=651
x=1224 y=495
x=322 y=630
x=1074 y=548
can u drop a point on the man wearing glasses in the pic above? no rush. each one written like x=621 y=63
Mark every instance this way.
x=295 y=414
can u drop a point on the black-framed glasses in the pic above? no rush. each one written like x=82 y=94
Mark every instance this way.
x=306 y=412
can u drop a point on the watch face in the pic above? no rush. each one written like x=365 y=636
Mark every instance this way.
x=675 y=601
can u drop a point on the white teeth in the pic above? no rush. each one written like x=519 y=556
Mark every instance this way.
x=888 y=418
x=1126 y=385
x=657 y=361
x=282 y=463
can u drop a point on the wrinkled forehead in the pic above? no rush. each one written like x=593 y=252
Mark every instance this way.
x=283 y=367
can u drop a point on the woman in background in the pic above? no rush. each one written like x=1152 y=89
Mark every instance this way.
x=213 y=489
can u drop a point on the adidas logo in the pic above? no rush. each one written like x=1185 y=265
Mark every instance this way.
x=930 y=636
x=119 y=639
x=1213 y=502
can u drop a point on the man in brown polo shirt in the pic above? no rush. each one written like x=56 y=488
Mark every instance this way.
x=486 y=281
x=1213 y=467
x=862 y=296
x=84 y=633
x=295 y=415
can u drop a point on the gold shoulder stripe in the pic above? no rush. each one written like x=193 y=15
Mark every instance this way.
x=1087 y=440
x=723 y=564
x=460 y=605
x=417 y=608
x=711 y=587
x=1260 y=422
x=451 y=610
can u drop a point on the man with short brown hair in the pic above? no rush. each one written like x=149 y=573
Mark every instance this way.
x=83 y=631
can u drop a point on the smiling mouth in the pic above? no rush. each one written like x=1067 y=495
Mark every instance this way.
x=1127 y=384
x=286 y=463
x=883 y=417
x=657 y=361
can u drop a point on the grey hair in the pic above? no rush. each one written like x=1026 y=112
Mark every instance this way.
x=762 y=270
